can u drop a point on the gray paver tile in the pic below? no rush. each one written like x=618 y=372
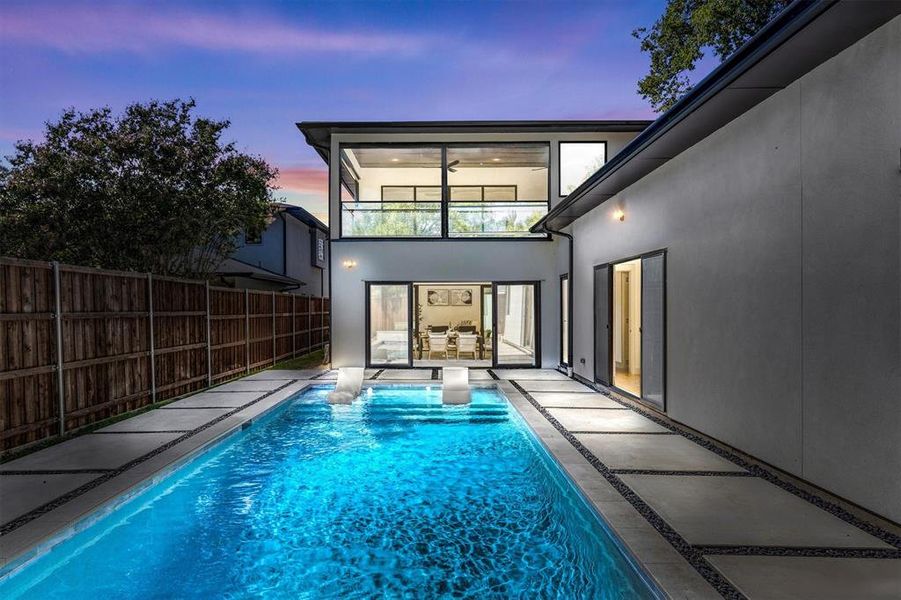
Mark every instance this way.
x=245 y=385
x=405 y=374
x=91 y=451
x=22 y=493
x=283 y=374
x=531 y=374
x=215 y=400
x=743 y=511
x=658 y=452
x=574 y=400
x=682 y=582
x=601 y=419
x=795 y=578
x=166 y=420
x=566 y=385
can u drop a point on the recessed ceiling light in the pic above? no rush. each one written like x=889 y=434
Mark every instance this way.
x=496 y=159
x=395 y=160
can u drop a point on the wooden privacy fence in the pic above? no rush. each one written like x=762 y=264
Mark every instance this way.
x=79 y=345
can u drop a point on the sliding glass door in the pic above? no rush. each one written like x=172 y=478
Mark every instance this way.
x=602 y=331
x=516 y=318
x=653 y=329
x=388 y=324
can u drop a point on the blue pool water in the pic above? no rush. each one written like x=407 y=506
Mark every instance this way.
x=394 y=496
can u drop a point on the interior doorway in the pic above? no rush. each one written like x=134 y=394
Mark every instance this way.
x=452 y=324
x=627 y=326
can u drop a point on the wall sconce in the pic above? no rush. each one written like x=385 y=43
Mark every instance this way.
x=349 y=263
x=619 y=215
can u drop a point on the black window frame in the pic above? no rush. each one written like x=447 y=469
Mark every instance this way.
x=445 y=191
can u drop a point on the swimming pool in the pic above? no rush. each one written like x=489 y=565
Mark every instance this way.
x=392 y=496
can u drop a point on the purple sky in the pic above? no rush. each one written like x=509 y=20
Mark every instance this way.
x=266 y=65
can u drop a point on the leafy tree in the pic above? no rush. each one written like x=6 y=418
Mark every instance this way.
x=679 y=37
x=154 y=189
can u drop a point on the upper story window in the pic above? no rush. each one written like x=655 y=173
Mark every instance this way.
x=447 y=190
x=578 y=161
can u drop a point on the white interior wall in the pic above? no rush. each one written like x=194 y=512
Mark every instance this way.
x=447 y=315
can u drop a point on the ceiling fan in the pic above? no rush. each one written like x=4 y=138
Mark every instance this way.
x=451 y=165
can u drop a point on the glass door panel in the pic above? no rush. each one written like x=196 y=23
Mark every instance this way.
x=602 y=324
x=653 y=335
x=388 y=324
x=516 y=324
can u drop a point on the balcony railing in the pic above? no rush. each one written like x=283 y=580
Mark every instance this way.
x=423 y=219
x=494 y=219
x=391 y=219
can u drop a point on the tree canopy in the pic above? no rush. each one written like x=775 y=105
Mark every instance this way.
x=154 y=189
x=678 y=39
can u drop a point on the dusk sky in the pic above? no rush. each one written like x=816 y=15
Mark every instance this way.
x=267 y=65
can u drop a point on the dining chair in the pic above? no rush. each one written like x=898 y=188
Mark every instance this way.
x=437 y=343
x=467 y=343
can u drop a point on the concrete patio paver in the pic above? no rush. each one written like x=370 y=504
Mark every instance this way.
x=809 y=578
x=743 y=511
x=654 y=452
x=602 y=419
x=260 y=385
x=405 y=374
x=166 y=420
x=553 y=386
x=574 y=400
x=215 y=400
x=91 y=451
x=531 y=374
x=480 y=375
x=333 y=374
x=22 y=493
x=284 y=374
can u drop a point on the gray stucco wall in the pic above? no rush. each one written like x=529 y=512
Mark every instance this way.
x=435 y=261
x=783 y=275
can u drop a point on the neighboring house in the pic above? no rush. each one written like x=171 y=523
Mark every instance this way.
x=737 y=265
x=291 y=255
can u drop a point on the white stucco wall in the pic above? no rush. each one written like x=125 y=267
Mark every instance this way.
x=783 y=275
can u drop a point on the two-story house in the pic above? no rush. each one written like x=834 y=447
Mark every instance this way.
x=432 y=258
x=290 y=255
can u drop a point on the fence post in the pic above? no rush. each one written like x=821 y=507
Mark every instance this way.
x=273 y=327
x=310 y=345
x=209 y=348
x=152 y=349
x=247 y=330
x=58 y=317
x=293 y=325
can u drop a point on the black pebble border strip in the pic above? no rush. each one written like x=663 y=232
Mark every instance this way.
x=621 y=432
x=806 y=552
x=61 y=500
x=681 y=473
x=689 y=553
x=56 y=472
x=758 y=471
x=378 y=373
x=492 y=374
x=139 y=432
x=435 y=374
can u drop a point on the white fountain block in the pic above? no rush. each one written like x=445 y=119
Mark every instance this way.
x=348 y=387
x=456 y=385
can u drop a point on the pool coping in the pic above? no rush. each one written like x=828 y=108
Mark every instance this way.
x=641 y=544
x=667 y=570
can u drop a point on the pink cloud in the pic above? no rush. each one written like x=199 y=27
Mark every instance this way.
x=91 y=29
x=304 y=180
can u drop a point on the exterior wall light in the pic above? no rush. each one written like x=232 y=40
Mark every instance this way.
x=619 y=215
x=349 y=263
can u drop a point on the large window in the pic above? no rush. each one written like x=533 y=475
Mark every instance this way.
x=391 y=191
x=496 y=190
x=450 y=190
x=578 y=162
x=389 y=323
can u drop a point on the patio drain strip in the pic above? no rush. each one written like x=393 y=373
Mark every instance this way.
x=692 y=555
x=765 y=474
x=18 y=522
